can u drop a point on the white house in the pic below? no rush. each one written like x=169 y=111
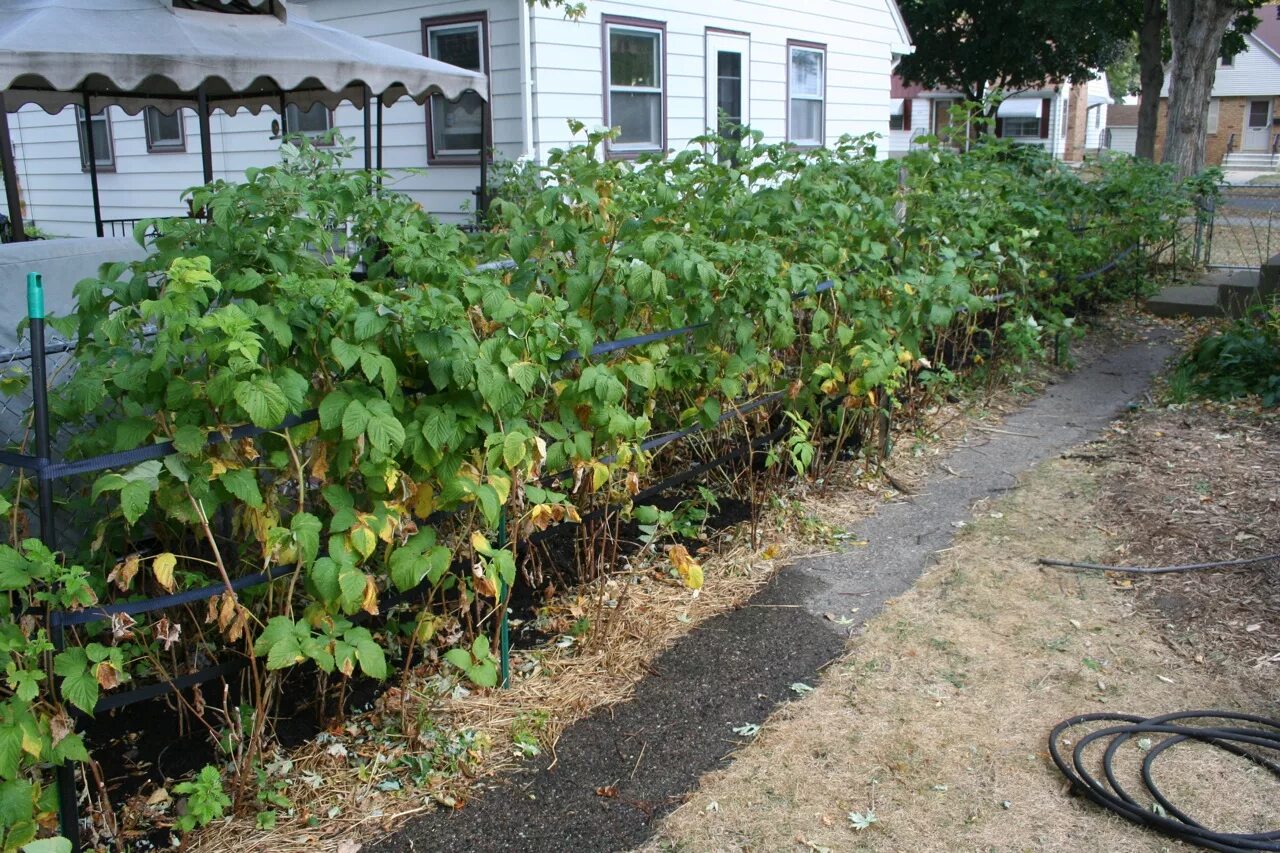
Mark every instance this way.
x=661 y=70
x=1067 y=121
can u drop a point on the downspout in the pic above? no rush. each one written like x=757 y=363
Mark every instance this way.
x=526 y=80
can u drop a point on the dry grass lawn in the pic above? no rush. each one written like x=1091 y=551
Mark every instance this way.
x=936 y=721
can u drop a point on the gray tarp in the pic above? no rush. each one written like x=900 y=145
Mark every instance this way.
x=138 y=53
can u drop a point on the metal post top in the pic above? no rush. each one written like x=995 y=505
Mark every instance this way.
x=35 y=296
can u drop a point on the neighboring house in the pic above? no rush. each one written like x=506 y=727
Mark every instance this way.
x=1122 y=128
x=1243 y=130
x=1066 y=121
x=661 y=70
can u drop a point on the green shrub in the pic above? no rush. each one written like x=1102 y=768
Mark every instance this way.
x=442 y=389
x=1241 y=360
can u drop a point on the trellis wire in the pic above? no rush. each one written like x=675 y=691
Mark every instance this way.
x=47 y=472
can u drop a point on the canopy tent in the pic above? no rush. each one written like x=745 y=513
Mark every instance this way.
x=203 y=54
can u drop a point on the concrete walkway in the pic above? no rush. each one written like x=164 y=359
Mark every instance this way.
x=736 y=668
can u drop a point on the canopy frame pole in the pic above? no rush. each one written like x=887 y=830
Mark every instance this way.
x=482 y=203
x=93 y=165
x=368 y=130
x=379 y=108
x=12 y=194
x=284 y=118
x=206 y=133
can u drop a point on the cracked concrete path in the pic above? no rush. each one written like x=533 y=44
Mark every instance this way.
x=902 y=537
x=737 y=667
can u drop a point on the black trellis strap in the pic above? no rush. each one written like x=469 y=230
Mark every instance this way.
x=1109 y=265
x=151 y=691
x=177 y=599
x=58 y=470
x=19 y=460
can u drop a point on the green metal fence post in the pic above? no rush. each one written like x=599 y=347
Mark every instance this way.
x=504 y=596
x=68 y=808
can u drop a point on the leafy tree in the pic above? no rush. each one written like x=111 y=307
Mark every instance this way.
x=974 y=46
x=1197 y=29
x=1122 y=73
x=1154 y=53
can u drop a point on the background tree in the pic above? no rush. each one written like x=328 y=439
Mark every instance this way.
x=1197 y=29
x=974 y=46
x=1155 y=51
x=1122 y=73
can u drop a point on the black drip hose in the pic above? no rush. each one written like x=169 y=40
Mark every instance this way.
x=1227 y=733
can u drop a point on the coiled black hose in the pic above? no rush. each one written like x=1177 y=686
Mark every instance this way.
x=1247 y=741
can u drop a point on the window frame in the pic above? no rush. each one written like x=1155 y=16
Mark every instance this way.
x=813 y=47
x=1213 y=116
x=631 y=150
x=444 y=158
x=317 y=139
x=178 y=147
x=81 y=129
x=1033 y=122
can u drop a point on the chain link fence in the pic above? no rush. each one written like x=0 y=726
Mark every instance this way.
x=1242 y=229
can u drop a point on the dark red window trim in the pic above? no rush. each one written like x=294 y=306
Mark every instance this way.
x=640 y=24
x=906 y=114
x=1046 y=105
x=481 y=18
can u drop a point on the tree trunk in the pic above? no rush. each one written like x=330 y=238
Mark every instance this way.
x=1150 y=75
x=1196 y=28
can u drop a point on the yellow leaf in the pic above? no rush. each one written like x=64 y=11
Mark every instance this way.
x=501 y=484
x=320 y=462
x=162 y=567
x=480 y=544
x=688 y=568
x=541 y=516
x=482 y=584
x=390 y=477
x=108 y=677
x=218 y=468
x=369 y=604
x=424 y=501
x=30 y=743
x=571 y=513
x=599 y=475
x=124 y=572
x=905 y=357
x=363 y=539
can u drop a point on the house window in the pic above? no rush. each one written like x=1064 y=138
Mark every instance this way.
x=164 y=132
x=806 y=93
x=313 y=122
x=895 y=121
x=1211 y=123
x=1227 y=60
x=99 y=124
x=454 y=130
x=1020 y=126
x=635 y=68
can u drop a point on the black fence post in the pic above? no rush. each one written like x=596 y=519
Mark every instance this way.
x=68 y=811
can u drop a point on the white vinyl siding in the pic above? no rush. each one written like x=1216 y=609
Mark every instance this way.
x=1255 y=72
x=570 y=83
